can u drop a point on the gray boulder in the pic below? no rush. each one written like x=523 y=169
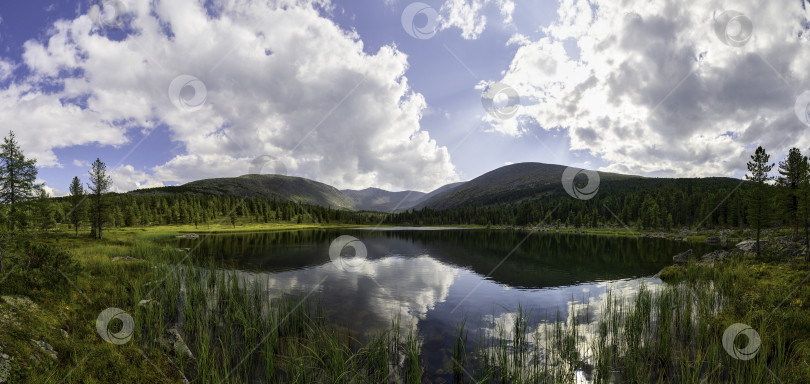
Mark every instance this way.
x=712 y=257
x=683 y=258
x=46 y=348
x=750 y=246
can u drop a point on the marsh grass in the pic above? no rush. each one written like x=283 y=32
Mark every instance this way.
x=667 y=333
x=238 y=332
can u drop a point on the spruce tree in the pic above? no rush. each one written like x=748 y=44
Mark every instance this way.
x=804 y=201
x=100 y=183
x=758 y=210
x=17 y=179
x=44 y=211
x=790 y=171
x=78 y=207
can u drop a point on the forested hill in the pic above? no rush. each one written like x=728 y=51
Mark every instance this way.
x=515 y=194
x=271 y=187
x=633 y=201
x=511 y=184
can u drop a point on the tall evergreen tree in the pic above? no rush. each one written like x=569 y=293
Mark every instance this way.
x=100 y=183
x=17 y=178
x=790 y=171
x=78 y=207
x=758 y=193
x=44 y=212
x=804 y=201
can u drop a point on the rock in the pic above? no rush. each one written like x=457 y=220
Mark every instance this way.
x=5 y=366
x=750 y=246
x=20 y=302
x=792 y=250
x=127 y=259
x=192 y=236
x=173 y=341
x=45 y=347
x=683 y=258
x=713 y=240
x=712 y=257
x=146 y=302
x=65 y=333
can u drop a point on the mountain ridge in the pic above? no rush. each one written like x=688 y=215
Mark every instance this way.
x=514 y=183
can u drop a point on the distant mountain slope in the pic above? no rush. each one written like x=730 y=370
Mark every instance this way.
x=267 y=186
x=441 y=191
x=375 y=199
x=509 y=184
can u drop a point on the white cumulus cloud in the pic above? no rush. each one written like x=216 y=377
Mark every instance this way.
x=653 y=90
x=279 y=78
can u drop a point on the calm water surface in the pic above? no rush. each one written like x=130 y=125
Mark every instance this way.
x=430 y=279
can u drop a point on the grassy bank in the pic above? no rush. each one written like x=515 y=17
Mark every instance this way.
x=235 y=332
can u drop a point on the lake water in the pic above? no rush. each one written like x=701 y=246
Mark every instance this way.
x=430 y=279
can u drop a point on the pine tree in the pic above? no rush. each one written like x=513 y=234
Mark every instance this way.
x=100 y=183
x=17 y=179
x=791 y=175
x=804 y=200
x=44 y=211
x=78 y=207
x=758 y=193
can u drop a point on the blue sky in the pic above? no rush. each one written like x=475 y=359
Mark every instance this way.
x=339 y=91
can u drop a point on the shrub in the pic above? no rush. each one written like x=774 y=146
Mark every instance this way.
x=36 y=267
